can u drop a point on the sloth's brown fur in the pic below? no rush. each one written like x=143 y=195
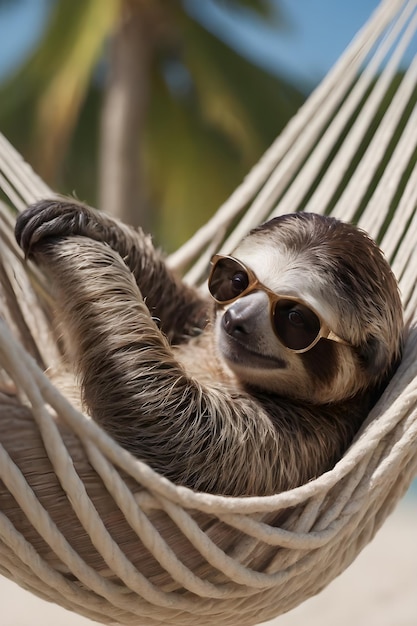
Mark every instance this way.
x=150 y=367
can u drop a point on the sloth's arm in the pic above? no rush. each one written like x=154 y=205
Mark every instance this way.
x=179 y=309
x=134 y=387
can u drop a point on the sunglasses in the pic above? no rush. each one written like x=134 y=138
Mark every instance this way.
x=297 y=326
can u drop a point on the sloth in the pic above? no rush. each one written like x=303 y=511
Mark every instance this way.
x=254 y=387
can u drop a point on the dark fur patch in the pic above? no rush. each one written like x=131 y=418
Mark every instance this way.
x=321 y=361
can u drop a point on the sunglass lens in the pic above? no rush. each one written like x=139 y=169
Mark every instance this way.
x=296 y=325
x=228 y=280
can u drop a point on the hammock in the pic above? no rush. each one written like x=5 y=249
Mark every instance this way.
x=84 y=524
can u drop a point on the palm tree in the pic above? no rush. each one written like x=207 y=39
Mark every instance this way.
x=182 y=116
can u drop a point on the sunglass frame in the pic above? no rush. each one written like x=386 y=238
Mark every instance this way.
x=254 y=285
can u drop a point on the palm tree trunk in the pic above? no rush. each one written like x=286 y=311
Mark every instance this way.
x=122 y=190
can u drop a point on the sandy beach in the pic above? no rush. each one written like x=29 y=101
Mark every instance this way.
x=379 y=588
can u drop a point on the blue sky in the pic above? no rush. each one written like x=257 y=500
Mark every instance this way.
x=315 y=33
x=21 y=25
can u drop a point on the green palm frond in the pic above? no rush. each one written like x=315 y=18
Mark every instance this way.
x=199 y=139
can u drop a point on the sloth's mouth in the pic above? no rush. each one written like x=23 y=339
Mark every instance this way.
x=238 y=353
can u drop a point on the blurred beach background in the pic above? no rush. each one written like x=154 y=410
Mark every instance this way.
x=163 y=141
x=216 y=83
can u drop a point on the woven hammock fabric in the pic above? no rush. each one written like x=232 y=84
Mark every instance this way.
x=86 y=525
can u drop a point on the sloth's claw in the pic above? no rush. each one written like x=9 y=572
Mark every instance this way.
x=48 y=219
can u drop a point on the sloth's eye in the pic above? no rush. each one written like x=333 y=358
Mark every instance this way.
x=296 y=318
x=296 y=314
x=228 y=279
x=296 y=325
x=239 y=283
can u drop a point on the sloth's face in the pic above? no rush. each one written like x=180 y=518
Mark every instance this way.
x=284 y=345
x=281 y=352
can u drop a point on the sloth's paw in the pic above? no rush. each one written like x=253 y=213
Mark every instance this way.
x=51 y=220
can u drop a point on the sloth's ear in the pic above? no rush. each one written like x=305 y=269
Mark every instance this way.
x=375 y=356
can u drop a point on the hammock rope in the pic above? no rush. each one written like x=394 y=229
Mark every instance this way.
x=86 y=525
x=287 y=155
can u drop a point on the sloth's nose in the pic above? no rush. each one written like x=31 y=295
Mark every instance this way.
x=242 y=316
x=235 y=323
x=246 y=315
